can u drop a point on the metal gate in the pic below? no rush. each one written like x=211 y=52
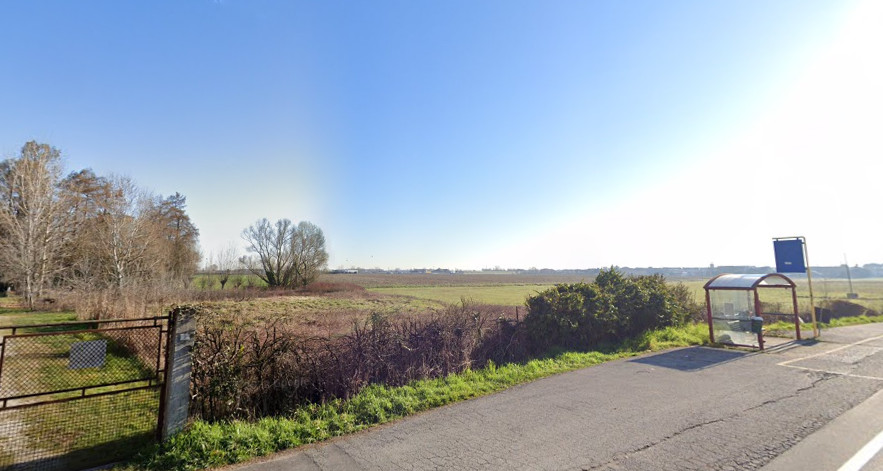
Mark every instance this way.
x=75 y=395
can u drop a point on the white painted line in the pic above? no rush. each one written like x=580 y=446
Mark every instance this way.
x=864 y=455
x=842 y=347
x=850 y=375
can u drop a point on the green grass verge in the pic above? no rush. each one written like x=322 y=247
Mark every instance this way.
x=782 y=327
x=204 y=444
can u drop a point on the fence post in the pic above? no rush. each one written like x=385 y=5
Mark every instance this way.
x=176 y=390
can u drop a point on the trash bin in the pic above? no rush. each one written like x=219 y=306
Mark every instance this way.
x=757 y=324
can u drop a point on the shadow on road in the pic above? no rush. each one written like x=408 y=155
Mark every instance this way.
x=692 y=359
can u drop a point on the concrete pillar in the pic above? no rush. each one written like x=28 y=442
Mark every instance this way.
x=176 y=403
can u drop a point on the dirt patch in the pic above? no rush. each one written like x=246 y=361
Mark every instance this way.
x=840 y=308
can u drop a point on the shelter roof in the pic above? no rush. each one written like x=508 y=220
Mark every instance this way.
x=750 y=281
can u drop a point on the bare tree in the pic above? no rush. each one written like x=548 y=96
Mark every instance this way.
x=310 y=257
x=224 y=263
x=33 y=219
x=125 y=236
x=285 y=255
x=271 y=244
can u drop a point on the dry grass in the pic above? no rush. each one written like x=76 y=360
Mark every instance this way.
x=321 y=315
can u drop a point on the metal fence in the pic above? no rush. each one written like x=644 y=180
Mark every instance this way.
x=79 y=394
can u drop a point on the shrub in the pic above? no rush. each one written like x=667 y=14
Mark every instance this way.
x=244 y=368
x=609 y=310
x=250 y=368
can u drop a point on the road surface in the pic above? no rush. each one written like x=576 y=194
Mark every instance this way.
x=691 y=408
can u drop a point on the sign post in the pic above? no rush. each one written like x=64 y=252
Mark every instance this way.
x=792 y=256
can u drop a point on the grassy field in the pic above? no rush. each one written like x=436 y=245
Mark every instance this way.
x=12 y=313
x=512 y=289
x=421 y=292
x=388 y=280
x=322 y=315
x=502 y=295
x=502 y=289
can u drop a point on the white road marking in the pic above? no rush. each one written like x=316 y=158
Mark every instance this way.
x=860 y=459
x=842 y=347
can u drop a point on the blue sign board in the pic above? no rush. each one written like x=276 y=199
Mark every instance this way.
x=789 y=256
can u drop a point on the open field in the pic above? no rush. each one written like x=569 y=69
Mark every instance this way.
x=388 y=280
x=502 y=289
x=512 y=289
x=325 y=315
x=501 y=295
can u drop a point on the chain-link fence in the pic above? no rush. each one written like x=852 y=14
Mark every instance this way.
x=75 y=395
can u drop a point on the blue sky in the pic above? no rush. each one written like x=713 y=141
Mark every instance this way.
x=467 y=134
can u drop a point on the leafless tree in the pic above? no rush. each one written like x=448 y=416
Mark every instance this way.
x=124 y=235
x=33 y=219
x=285 y=255
x=224 y=263
x=271 y=244
x=310 y=257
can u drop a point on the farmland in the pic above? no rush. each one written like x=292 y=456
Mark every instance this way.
x=512 y=289
x=494 y=288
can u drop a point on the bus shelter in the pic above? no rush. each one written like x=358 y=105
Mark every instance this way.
x=735 y=313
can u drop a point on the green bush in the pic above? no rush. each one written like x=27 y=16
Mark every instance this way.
x=609 y=310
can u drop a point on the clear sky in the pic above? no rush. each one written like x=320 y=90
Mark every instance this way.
x=470 y=134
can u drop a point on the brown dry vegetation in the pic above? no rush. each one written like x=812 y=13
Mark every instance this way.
x=320 y=315
x=253 y=366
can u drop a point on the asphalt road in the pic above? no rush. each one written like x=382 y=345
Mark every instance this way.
x=690 y=408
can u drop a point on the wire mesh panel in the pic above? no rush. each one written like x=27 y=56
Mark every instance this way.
x=78 y=434
x=74 y=396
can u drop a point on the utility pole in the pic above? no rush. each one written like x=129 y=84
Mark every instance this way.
x=851 y=294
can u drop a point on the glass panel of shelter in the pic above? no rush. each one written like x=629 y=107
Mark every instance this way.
x=731 y=313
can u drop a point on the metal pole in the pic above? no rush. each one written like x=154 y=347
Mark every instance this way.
x=171 y=327
x=757 y=313
x=708 y=311
x=812 y=303
x=796 y=312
